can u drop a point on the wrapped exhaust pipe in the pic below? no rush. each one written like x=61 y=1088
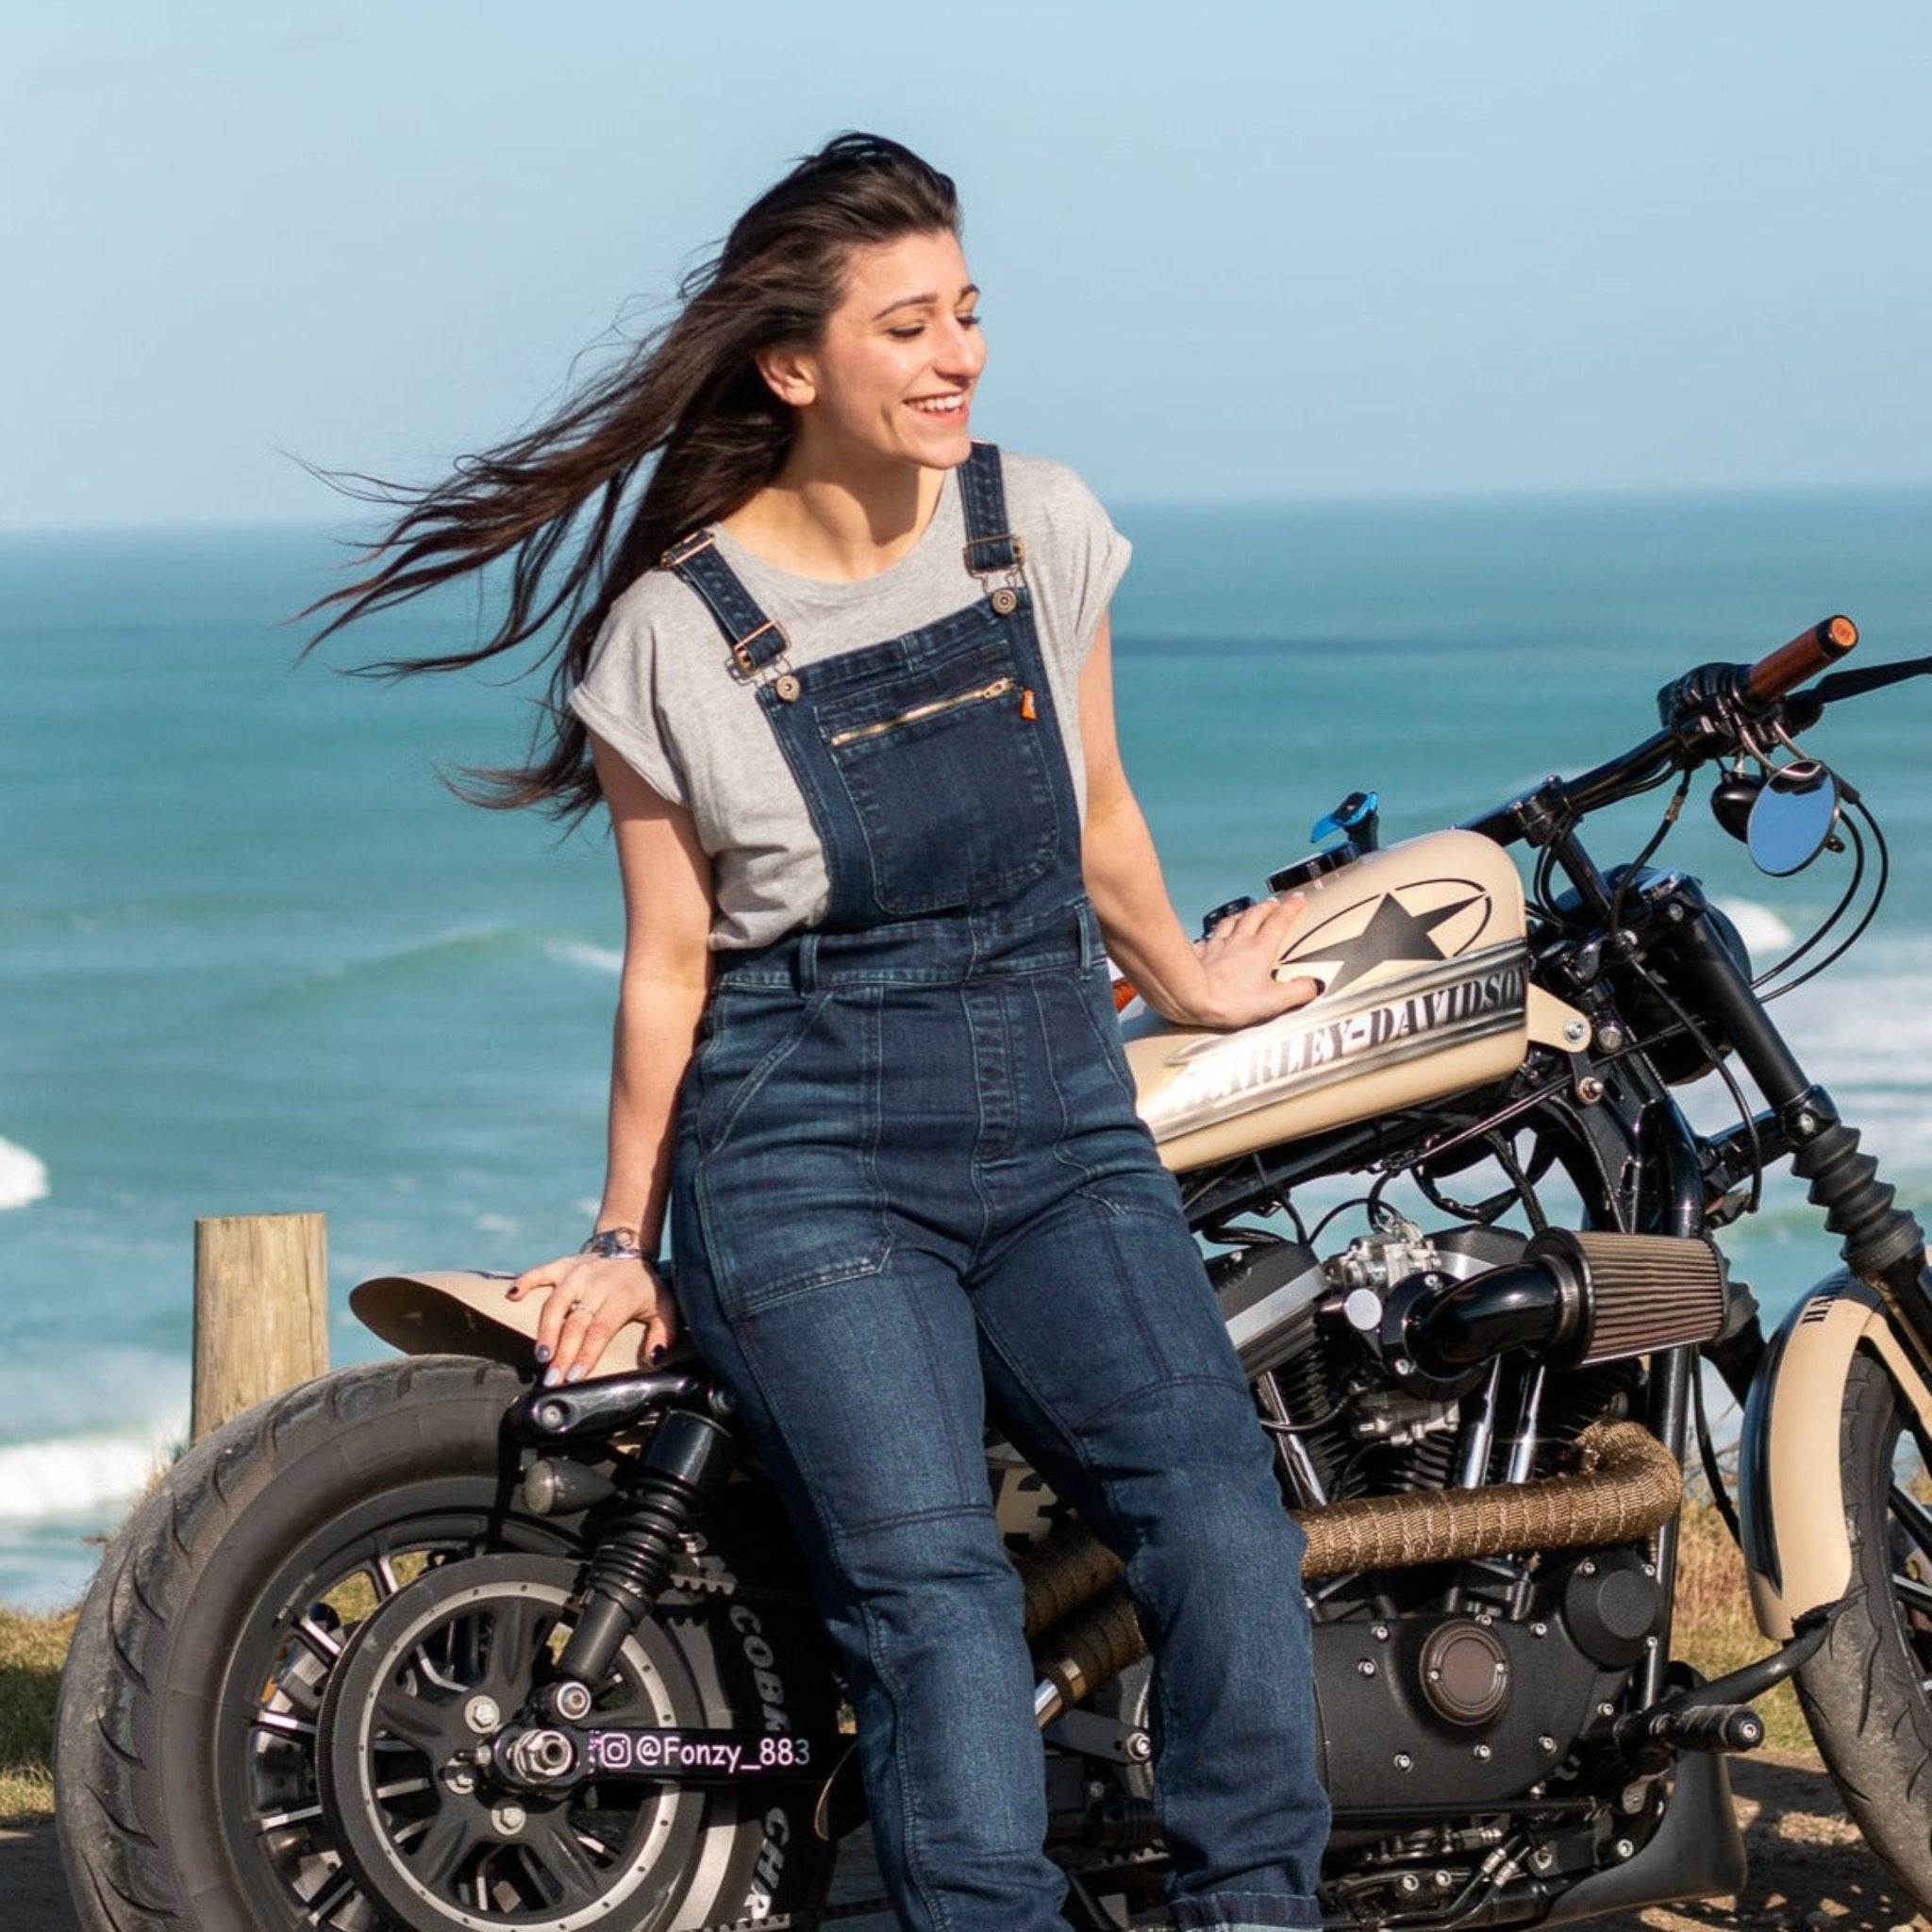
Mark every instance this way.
x=1626 y=1484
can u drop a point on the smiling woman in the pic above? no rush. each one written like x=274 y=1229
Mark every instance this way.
x=842 y=676
x=891 y=375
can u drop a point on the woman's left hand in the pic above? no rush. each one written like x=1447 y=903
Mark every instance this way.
x=1238 y=963
x=590 y=1298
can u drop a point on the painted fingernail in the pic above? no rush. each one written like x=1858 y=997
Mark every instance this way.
x=551 y=1378
x=513 y=1291
x=543 y=1351
x=658 y=1353
x=577 y=1374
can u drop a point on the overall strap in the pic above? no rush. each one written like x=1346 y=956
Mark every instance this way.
x=755 y=639
x=992 y=548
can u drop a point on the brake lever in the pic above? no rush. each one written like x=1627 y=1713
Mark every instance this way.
x=1868 y=678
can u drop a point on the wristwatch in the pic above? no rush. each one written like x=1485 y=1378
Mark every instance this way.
x=614 y=1244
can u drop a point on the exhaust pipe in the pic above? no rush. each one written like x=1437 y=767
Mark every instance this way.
x=1626 y=1484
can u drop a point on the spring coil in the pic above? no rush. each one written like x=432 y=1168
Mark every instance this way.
x=690 y=1460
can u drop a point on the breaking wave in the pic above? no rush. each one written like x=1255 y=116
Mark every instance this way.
x=580 y=952
x=1765 y=935
x=66 y=1477
x=22 y=1176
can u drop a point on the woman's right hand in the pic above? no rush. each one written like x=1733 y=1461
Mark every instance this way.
x=590 y=1298
x=1237 y=961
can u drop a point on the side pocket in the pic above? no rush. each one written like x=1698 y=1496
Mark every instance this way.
x=788 y=1192
x=728 y=1086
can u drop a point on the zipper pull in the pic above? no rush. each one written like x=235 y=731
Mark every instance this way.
x=1028 y=709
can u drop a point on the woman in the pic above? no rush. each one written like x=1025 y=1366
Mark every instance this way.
x=843 y=683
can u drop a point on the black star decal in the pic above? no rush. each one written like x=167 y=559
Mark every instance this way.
x=1393 y=933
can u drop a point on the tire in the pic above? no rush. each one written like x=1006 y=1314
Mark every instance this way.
x=1867 y=1693
x=185 y=1756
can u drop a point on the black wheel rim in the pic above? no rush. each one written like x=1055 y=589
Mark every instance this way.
x=285 y=1853
x=437 y=1670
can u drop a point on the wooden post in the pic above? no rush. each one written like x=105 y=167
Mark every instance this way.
x=260 y=1311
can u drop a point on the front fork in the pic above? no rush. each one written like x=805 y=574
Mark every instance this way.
x=1883 y=1243
x=1796 y=1547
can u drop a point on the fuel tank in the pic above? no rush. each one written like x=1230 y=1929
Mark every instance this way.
x=1419 y=954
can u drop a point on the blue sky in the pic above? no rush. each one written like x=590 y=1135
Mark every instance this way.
x=1259 y=250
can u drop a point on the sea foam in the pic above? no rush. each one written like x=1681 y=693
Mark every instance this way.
x=22 y=1176
x=580 y=952
x=81 y=1475
x=1764 y=934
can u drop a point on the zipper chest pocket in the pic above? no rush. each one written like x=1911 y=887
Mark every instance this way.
x=979 y=694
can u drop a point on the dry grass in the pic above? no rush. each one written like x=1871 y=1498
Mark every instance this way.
x=31 y=1652
x=1714 y=1628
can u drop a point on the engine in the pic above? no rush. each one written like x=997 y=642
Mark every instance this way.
x=1471 y=1356
x=1424 y=1380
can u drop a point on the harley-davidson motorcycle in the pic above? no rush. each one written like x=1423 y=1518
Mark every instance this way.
x=423 y=1646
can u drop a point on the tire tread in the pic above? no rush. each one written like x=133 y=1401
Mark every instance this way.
x=1860 y=1691
x=120 y=1873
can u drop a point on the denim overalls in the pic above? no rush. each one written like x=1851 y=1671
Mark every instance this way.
x=909 y=1174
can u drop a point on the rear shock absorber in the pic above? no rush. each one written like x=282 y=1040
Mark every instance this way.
x=689 y=1460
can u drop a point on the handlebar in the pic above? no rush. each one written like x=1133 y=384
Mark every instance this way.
x=1808 y=654
x=1707 y=728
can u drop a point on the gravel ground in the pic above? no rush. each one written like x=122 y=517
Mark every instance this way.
x=1808 y=1869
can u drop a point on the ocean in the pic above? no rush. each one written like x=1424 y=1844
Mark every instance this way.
x=254 y=955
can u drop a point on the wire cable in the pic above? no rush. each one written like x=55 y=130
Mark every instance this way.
x=1825 y=927
x=1858 y=932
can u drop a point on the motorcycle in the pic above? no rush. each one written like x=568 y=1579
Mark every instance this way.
x=422 y=1645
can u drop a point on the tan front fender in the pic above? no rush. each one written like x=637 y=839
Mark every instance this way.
x=1791 y=1490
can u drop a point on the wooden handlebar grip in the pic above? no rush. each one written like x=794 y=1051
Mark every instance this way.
x=1805 y=657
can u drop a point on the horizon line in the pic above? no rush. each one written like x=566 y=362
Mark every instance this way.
x=1517 y=495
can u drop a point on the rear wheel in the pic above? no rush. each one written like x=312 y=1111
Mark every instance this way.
x=187 y=1745
x=1868 y=1691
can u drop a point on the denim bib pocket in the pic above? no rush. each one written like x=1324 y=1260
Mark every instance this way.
x=949 y=781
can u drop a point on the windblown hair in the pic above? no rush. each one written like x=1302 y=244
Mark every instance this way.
x=679 y=434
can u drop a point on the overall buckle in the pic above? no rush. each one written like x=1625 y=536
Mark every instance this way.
x=776 y=670
x=1005 y=598
x=1011 y=567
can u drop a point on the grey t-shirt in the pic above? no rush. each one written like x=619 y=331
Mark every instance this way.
x=661 y=690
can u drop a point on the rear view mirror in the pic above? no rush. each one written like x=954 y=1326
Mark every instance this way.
x=1793 y=819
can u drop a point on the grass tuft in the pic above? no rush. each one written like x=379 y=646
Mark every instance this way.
x=31 y=1652
x=1714 y=1626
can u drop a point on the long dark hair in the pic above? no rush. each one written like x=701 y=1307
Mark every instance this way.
x=679 y=434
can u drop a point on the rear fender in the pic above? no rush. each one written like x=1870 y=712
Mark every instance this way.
x=1797 y=1552
x=469 y=1311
